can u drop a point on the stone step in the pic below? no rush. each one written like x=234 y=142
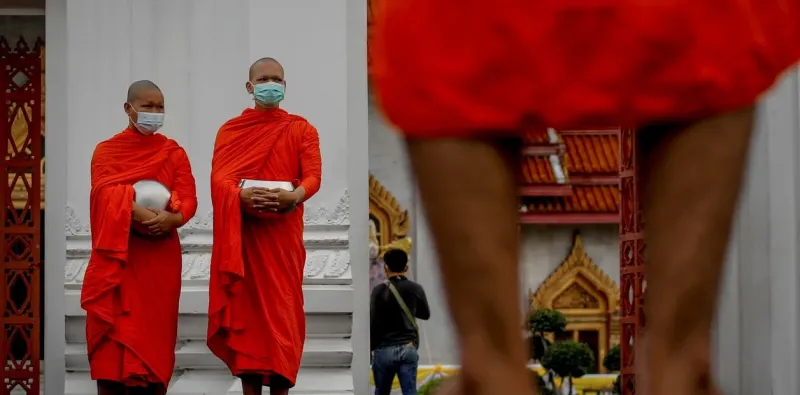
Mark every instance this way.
x=310 y=381
x=193 y=326
x=318 y=352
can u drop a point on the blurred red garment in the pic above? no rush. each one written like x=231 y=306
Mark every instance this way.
x=457 y=68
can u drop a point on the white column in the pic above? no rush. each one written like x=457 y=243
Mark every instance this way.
x=757 y=325
x=199 y=52
x=56 y=115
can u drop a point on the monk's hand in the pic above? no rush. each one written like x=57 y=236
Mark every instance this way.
x=286 y=201
x=163 y=222
x=256 y=199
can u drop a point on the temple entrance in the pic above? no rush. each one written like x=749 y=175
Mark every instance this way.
x=587 y=297
x=21 y=225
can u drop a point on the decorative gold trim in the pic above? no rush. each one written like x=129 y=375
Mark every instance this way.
x=392 y=220
x=401 y=244
x=577 y=265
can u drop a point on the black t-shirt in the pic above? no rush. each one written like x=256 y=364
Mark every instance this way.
x=388 y=323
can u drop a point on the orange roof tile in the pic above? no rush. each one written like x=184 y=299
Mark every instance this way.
x=592 y=153
x=585 y=199
x=537 y=170
x=586 y=154
x=535 y=136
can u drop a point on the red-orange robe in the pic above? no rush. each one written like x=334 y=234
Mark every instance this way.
x=132 y=285
x=458 y=68
x=256 y=321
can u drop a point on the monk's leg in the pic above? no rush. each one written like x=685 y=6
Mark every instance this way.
x=278 y=385
x=692 y=182
x=252 y=384
x=151 y=389
x=469 y=192
x=107 y=387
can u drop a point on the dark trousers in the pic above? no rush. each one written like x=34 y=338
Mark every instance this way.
x=401 y=360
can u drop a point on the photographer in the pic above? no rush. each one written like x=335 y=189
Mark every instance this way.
x=395 y=306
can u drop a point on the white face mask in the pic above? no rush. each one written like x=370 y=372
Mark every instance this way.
x=148 y=122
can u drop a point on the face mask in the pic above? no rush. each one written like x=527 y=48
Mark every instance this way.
x=148 y=122
x=268 y=93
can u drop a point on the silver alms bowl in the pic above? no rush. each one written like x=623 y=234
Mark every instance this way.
x=151 y=194
x=285 y=185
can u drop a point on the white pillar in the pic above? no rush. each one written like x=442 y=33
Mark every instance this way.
x=199 y=52
x=757 y=325
x=55 y=194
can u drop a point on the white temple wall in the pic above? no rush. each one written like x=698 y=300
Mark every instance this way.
x=437 y=339
x=758 y=333
x=388 y=161
x=199 y=52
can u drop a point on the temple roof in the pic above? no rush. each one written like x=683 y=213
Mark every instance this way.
x=589 y=192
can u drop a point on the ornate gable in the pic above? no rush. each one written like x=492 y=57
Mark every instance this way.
x=577 y=284
x=391 y=222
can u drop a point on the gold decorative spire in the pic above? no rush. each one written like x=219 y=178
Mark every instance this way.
x=576 y=267
x=403 y=244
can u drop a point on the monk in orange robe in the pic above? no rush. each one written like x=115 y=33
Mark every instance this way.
x=256 y=321
x=464 y=79
x=133 y=282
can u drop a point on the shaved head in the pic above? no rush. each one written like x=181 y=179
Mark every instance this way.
x=137 y=88
x=265 y=65
x=143 y=96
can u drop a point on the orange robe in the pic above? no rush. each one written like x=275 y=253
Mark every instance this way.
x=458 y=68
x=132 y=285
x=256 y=321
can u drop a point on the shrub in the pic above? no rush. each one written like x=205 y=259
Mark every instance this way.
x=547 y=321
x=568 y=360
x=613 y=360
x=430 y=387
x=541 y=322
x=613 y=363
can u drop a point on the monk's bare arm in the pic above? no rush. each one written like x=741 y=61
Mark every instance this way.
x=141 y=214
x=310 y=165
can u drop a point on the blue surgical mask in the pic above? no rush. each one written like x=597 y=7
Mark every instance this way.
x=268 y=93
x=148 y=122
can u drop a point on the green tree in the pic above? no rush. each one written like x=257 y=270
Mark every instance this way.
x=541 y=323
x=568 y=360
x=613 y=363
x=613 y=360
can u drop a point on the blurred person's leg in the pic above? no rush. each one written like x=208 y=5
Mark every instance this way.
x=692 y=181
x=469 y=192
